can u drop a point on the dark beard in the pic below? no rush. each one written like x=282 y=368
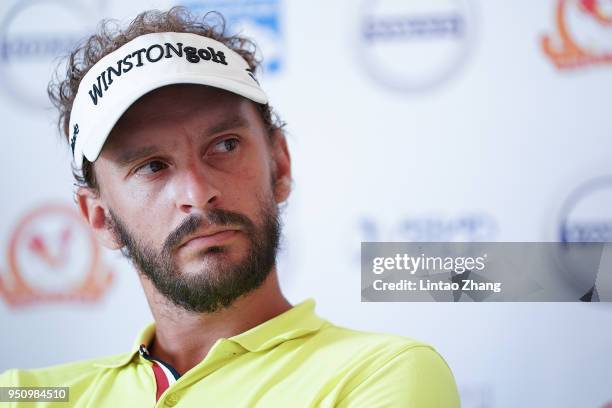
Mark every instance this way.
x=209 y=290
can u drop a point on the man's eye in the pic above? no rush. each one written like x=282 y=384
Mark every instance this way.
x=150 y=167
x=225 y=146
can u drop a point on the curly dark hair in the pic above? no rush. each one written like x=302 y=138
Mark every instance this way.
x=109 y=36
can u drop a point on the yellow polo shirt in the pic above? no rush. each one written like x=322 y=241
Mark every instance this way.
x=296 y=359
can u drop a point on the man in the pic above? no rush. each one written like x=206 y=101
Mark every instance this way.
x=182 y=164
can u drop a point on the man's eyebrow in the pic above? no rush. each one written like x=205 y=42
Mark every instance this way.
x=231 y=122
x=130 y=155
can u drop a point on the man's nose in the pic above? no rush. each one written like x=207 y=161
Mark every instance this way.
x=195 y=189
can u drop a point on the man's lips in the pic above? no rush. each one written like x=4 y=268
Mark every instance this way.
x=209 y=239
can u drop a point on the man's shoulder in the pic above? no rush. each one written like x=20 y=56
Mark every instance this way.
x=389 y=370
x=349 y=338
x=62 y=374
x=373 y=350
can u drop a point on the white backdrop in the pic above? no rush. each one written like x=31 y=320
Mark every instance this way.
x=408 y=120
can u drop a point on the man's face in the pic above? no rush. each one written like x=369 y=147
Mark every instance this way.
x=189 y=188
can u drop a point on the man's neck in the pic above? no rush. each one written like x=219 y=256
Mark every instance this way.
x=183 y=338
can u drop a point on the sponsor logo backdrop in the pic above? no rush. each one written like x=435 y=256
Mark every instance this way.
x=444 y=120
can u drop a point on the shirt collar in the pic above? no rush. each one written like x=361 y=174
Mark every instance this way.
x=296 y=322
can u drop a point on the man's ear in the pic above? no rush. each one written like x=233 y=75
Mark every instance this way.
x=96 y=215
x=282 y=163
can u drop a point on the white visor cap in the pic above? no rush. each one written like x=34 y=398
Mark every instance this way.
x=148 y=62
